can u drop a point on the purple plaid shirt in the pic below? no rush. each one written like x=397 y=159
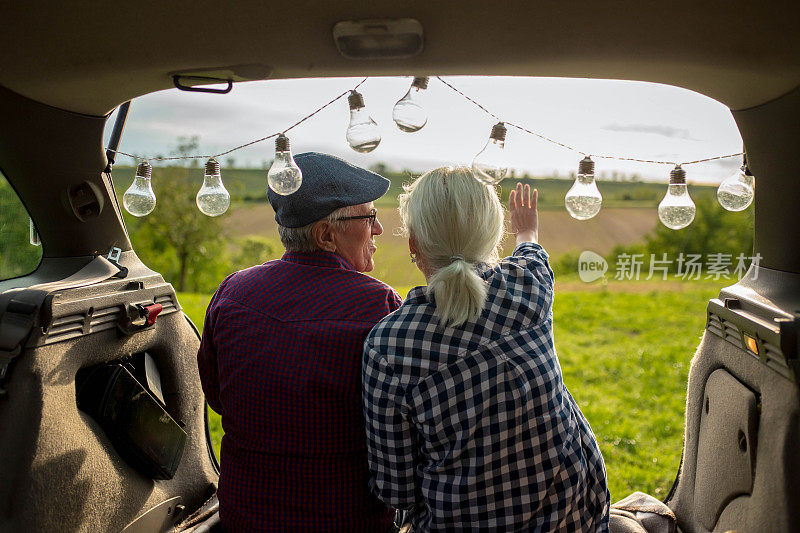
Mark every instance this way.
x=280 y=360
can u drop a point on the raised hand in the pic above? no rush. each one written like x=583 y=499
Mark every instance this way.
x=524 y=215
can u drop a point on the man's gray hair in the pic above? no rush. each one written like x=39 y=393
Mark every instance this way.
x=301 y=240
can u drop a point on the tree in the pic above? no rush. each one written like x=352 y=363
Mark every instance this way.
x=379 y=168
x=176 y=239
x=186 y=146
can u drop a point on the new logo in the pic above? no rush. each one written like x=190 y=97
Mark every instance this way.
x=591 y=266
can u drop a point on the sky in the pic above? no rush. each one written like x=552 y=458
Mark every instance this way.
x=607 y=117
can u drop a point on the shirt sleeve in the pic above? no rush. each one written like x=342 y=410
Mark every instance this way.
x=526 y=281
x=389 y=434
x=533 y=257
x=207 y=357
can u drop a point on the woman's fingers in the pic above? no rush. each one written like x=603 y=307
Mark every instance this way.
x=522 y=196
x=516 y=199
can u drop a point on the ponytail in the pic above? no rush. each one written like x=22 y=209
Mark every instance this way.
x=459 y=291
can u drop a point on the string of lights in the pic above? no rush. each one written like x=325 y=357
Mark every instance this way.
x=583 y=201
x=572 y=148
x=245 y=145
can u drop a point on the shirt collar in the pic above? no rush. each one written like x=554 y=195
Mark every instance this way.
x=319 y=258
x=418 y=295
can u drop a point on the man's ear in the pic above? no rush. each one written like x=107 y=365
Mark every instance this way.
x=323 y=234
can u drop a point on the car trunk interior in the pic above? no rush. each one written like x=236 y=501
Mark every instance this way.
x=66 y=69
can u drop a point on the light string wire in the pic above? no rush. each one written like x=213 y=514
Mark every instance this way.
x=245 y=145
x=456 y=90
x=572 y=148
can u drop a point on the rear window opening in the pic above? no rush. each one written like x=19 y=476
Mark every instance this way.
x=630 y=293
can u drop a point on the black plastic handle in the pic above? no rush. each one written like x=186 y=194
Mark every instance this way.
x=176 y=79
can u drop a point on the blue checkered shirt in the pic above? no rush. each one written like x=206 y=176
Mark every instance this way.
x=473 y=426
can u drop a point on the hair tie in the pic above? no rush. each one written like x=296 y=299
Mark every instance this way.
x=454 y=258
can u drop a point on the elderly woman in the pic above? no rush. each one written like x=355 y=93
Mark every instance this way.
x=468 y=420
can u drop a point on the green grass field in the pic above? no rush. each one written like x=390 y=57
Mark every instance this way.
x=625 y=350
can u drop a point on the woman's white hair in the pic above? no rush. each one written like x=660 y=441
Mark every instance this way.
x=456 y=222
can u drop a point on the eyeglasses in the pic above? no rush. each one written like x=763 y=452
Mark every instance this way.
x=373 y=215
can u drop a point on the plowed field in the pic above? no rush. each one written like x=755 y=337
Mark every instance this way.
x=558 y=233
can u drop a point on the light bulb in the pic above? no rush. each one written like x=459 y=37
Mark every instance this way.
x=363 y=134
x=213 y=198
x=284 y=176
x=408 y=114
x=489 y=165
x=676 y=210
x=139 y=199
x=33 y=235
x=736 y=192
x=583 y=200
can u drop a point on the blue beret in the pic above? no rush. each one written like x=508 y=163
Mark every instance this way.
x=328 y=184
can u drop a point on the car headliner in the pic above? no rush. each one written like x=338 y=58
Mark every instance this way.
x=91 y=57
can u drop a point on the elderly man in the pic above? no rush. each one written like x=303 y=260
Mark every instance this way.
x=280 y=360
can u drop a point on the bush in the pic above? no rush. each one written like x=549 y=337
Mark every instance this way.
x=714 y=232
x=565 y=264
